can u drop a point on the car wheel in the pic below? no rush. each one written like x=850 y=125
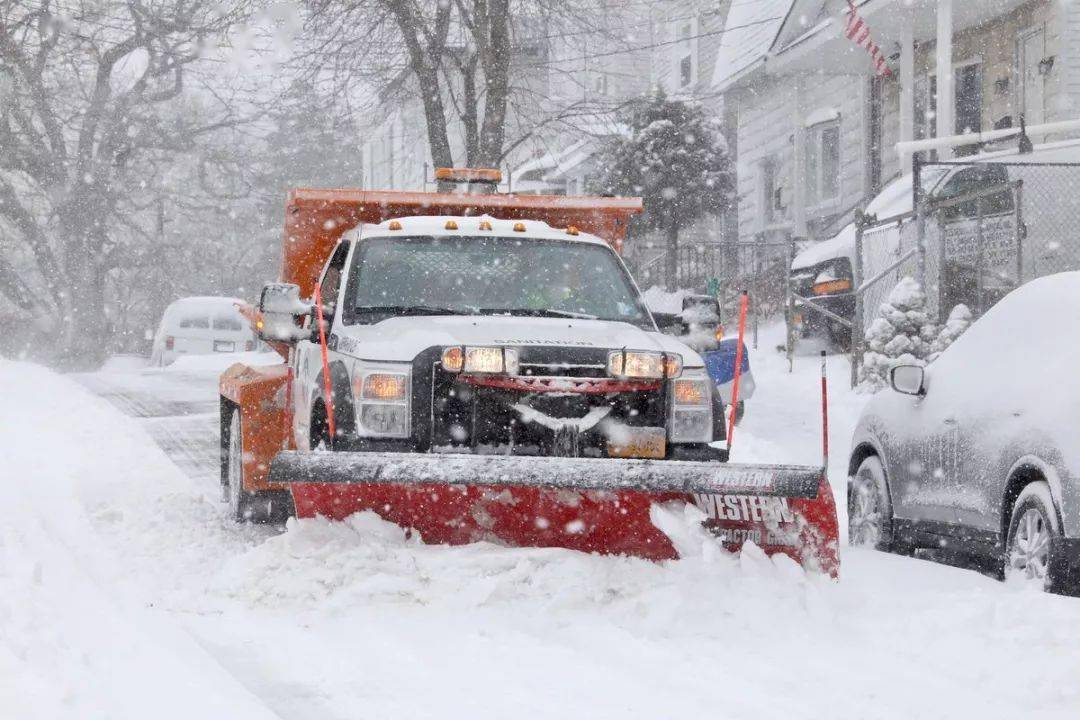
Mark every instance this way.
x=1034 y=524
x=869 y=510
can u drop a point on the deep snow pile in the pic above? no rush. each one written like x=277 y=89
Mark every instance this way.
x=355 y=619
x=71 y=644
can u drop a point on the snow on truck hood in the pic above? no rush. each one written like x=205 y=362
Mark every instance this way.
x=402 y=339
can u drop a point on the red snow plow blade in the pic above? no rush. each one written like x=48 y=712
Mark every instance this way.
x=587 y=504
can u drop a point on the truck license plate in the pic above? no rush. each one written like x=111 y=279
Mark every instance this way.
x=647 y=442
x=224 y=346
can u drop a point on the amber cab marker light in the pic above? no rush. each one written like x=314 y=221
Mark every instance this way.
x=451 y=225
x=394 y=225
x=485 y=225
x=572 y=231
x=519 y=227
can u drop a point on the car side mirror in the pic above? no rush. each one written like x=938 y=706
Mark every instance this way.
x=908 y=379
x=280 y=307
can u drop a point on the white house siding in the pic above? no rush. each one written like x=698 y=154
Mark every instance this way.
x=766 y=126
x=1070 y=60
x=763 y=131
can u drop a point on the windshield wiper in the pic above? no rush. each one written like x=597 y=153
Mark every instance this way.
x=537 y=312
x=411 y=310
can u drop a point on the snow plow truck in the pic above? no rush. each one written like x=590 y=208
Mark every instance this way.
x=480 y=366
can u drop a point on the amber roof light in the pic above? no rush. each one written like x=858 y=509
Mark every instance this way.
x=464 y=175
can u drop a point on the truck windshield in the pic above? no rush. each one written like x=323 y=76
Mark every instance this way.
x=489 y=276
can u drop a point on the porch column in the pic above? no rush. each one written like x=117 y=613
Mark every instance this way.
x=907 y=86
x=946 y=103
x=798 y=161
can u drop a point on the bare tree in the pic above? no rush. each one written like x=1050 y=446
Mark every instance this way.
x=468 y=62
x=87 y=132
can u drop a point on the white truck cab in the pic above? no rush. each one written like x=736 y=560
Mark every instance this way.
x=475 y=334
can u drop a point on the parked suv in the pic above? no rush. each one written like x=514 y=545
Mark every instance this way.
x=976 y=454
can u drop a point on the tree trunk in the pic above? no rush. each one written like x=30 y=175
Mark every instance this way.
x=495 y=61
x=84 y=327
x=671 y=264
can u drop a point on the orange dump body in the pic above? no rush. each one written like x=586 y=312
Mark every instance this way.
x=316 y=219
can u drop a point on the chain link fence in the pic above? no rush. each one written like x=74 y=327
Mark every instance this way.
x=725 y=269
x=979 y=229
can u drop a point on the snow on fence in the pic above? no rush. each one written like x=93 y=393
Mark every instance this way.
x=984 y=228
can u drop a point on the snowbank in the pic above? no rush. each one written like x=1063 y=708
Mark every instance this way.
x=109 y=559
x=219 y=362
x=71 y=645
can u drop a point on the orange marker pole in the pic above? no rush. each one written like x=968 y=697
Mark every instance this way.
x=743 y=304
x=325 y=366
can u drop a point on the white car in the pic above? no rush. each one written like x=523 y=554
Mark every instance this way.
x=201 y=326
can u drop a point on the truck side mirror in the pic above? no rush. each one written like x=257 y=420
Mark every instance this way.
x=280 y=307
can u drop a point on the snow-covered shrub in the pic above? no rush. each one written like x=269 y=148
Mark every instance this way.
x=902 y=335
x=959 y=320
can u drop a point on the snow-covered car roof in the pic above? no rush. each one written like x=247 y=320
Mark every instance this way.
x=208 y=303
x=471 y=226
x=895 y=198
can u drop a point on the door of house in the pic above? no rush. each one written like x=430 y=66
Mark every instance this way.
x=1032 y=84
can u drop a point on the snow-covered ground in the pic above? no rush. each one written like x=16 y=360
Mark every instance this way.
x=124 y=592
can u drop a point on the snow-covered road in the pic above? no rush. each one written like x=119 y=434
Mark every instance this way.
x=125 y=592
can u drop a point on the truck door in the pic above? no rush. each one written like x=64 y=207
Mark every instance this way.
x=309 y=354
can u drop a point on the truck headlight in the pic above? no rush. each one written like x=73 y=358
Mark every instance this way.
x=382 y=403
x=690 y=411
x=385 y=386
x=480 y=360
x=643 y=365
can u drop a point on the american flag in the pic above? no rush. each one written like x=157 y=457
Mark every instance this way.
x=858 y=32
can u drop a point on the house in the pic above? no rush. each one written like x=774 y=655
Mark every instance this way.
x=816 y=124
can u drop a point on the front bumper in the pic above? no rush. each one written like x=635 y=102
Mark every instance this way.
x=535 y=412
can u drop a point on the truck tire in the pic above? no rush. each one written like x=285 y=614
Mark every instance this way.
x=1033 y=528
x=257 y=507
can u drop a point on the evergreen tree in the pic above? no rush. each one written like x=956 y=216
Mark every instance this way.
x=902 y=335
x=673 y=156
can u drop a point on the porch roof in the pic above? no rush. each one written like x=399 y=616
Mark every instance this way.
x=824 y=46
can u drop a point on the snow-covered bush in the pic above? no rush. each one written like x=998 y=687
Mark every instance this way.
x=959 y=320
x=902 y=335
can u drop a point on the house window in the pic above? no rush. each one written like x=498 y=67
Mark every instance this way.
x=823 y=163
x=967 y=105
x=773 y=202
x=685 y=62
